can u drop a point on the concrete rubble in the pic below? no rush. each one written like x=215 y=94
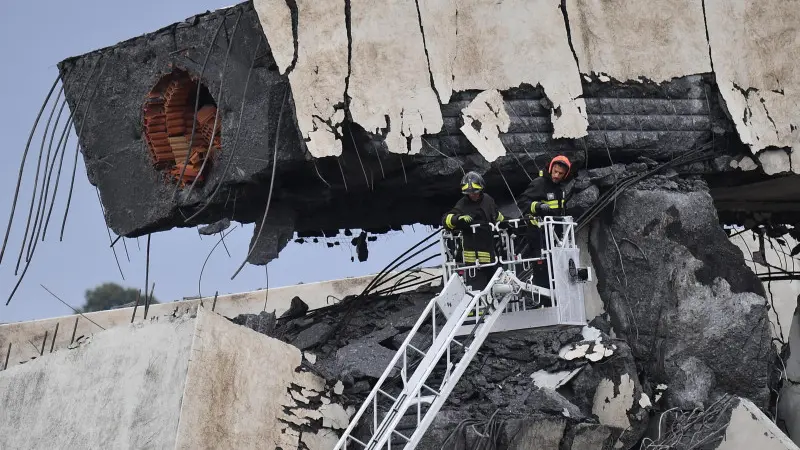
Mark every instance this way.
x=673 y=346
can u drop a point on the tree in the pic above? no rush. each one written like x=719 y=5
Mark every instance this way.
x=111 y=295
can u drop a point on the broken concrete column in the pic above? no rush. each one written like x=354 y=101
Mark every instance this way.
x=190 y=382
x=679 y=292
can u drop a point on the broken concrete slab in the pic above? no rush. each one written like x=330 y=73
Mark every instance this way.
x=789 y=403
x=487 y=56
x=316 y=294
x=750 y=428
x=320 y=74
x=275 y=17
x=389 y=85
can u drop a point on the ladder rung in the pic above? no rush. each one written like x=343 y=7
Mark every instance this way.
x=350 y=436
x=401 y=435
x=386 y=394
x=435 y=392
x=416 y=350
x=424 y=399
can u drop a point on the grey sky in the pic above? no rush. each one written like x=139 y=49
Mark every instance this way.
x=37 y=35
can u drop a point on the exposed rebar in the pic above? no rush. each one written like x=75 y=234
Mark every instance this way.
x=22 y=167
x=219 y=101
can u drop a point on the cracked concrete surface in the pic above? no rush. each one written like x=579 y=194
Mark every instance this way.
x=390 y=90
x=612 y=401
x=407 y=58
x=490 y=36
x=628 y=39
x=320 y=74
x=754 y=50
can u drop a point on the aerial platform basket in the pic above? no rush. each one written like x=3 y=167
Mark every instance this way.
x=455 y=323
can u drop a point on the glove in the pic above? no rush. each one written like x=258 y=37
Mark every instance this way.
x=532 y=220
x=465 y=218
x=543 y=208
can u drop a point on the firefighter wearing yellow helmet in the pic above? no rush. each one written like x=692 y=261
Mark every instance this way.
x=475 y=207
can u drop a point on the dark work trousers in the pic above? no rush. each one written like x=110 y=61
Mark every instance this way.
x=535 y=240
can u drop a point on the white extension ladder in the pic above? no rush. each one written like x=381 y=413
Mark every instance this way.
x=400 y=402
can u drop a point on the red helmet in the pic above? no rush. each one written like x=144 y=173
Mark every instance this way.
x=560 y=159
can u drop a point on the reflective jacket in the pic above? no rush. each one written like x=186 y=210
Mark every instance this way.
x=478 y=245
x=543 y=190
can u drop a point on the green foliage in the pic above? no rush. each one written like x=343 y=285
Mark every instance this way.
x=110 y=295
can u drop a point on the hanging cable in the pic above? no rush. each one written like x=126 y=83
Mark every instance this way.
x=22 y=166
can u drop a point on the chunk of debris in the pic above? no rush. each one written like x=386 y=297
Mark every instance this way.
x=216 y=227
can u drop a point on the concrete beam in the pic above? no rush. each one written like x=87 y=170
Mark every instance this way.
x=27 y=339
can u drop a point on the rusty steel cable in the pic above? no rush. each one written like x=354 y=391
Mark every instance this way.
x=113 y=250
x=36 y=185
x=203 y=268
x=147 y=273
x=47 y=221
x=40 y=215
x=63 y=151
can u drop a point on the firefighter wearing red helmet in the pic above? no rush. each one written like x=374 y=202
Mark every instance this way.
x=544 y=197
x=545 y=194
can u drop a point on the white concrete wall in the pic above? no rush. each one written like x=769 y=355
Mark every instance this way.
x=122 y=389
x=187 y=383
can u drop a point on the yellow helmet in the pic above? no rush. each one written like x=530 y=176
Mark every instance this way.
x=472 y=182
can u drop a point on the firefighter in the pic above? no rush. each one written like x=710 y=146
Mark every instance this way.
x=544 y=197
x=475 y=208
x=545 y=194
